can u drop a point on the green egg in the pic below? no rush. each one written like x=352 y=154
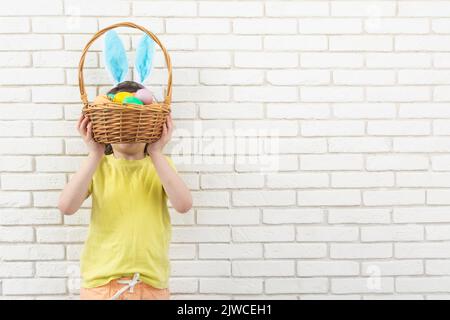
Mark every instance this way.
x=133 y=100
x=111 y=96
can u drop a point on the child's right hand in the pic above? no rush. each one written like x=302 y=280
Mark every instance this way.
x=84 y=127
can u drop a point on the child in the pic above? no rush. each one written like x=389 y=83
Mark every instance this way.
x=126 y=252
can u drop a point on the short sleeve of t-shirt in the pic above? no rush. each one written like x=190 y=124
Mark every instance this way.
x=91 y=184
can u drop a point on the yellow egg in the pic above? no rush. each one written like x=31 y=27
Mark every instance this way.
x=101 y=99
x=122 y=95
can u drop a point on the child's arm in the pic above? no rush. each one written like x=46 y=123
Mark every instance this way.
x=176 y=190
x=76 y=190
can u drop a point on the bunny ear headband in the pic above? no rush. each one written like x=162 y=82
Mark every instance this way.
x=116 y=58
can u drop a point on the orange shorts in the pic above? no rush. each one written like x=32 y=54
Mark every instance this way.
x=141 y=291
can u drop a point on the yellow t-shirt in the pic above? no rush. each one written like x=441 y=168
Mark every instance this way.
x=130 y=228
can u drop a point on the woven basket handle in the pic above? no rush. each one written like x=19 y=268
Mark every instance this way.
x=167 y=99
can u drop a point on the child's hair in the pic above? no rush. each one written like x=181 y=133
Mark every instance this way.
x=127 y=86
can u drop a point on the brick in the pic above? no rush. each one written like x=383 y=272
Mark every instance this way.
x=271 y=268
x=326 y=234
x=362 y=179
x=231 y=77
x=298 y=111
x=295 y=42
x=28 y=42
x=393 y=197
x=280 y=216
x=227 y=286
x=422 y=250
x=331 y=60
x=229 y=42
x=361 y=250
x=437 y=267
x=312 y=285
x=329 y=26
x=31 y=252
x=265 y=60
x=15 y=59
x=34 y=286
x=265 y=26
x=327 y=268
x=201 y=234
x=11 y=199
x=263 y=198
x=87 y=8
x=398 y=60
x=419 y=144
x=440 y=163
x=15 y=181
x=292 y=9
x=398 y=128
x=421 y=215
x=227 y=216
x=328 y=197
x=361 y=43
x=14 y=25
x=392 y=233
x=16 y=269
x=331 y=162
x=263 y=233
x=392 y=268
x=363 y=77
x=164 y=8
x=397 y=26
x=298 y=180
x=396 y=162
x=363 y=9
x=366 y=144
x=422 y=284
x=230 y=9
x=362 y=285
x=295 y=250
x=438 y=196
x=398 y=94
x=200 y=268
x=356 y=215
x=16 y=234
x=61 y=235
x=297 y=77
x=197 y=25
x=331 y=94
x=423 y=8
x=423 y=179
x=25 y=8
x=29 y=216
x=422 y=43
x=332 y=128
x=232 y=251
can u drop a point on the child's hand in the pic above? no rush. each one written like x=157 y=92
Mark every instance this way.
x=84 y=127
x=157 y=146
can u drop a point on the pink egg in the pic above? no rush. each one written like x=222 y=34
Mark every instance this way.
x=144 y=95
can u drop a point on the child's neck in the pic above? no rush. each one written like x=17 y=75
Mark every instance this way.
x=128 y=156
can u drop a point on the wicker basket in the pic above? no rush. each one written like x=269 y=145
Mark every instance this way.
x=118 y=123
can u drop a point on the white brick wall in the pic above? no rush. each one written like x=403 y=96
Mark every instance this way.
x=336 y=181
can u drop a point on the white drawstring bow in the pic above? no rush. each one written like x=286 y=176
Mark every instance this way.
x=129 y=285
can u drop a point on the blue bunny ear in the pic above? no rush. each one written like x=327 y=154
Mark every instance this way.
x=115 y=56
x=145 y=54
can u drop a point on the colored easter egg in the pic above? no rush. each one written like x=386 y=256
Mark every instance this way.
x=102 y=99
x=145 y=95
x=132 y=100
x=111 y=96
x=122 y=95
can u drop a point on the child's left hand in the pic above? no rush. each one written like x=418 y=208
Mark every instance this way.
x=157 y=146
